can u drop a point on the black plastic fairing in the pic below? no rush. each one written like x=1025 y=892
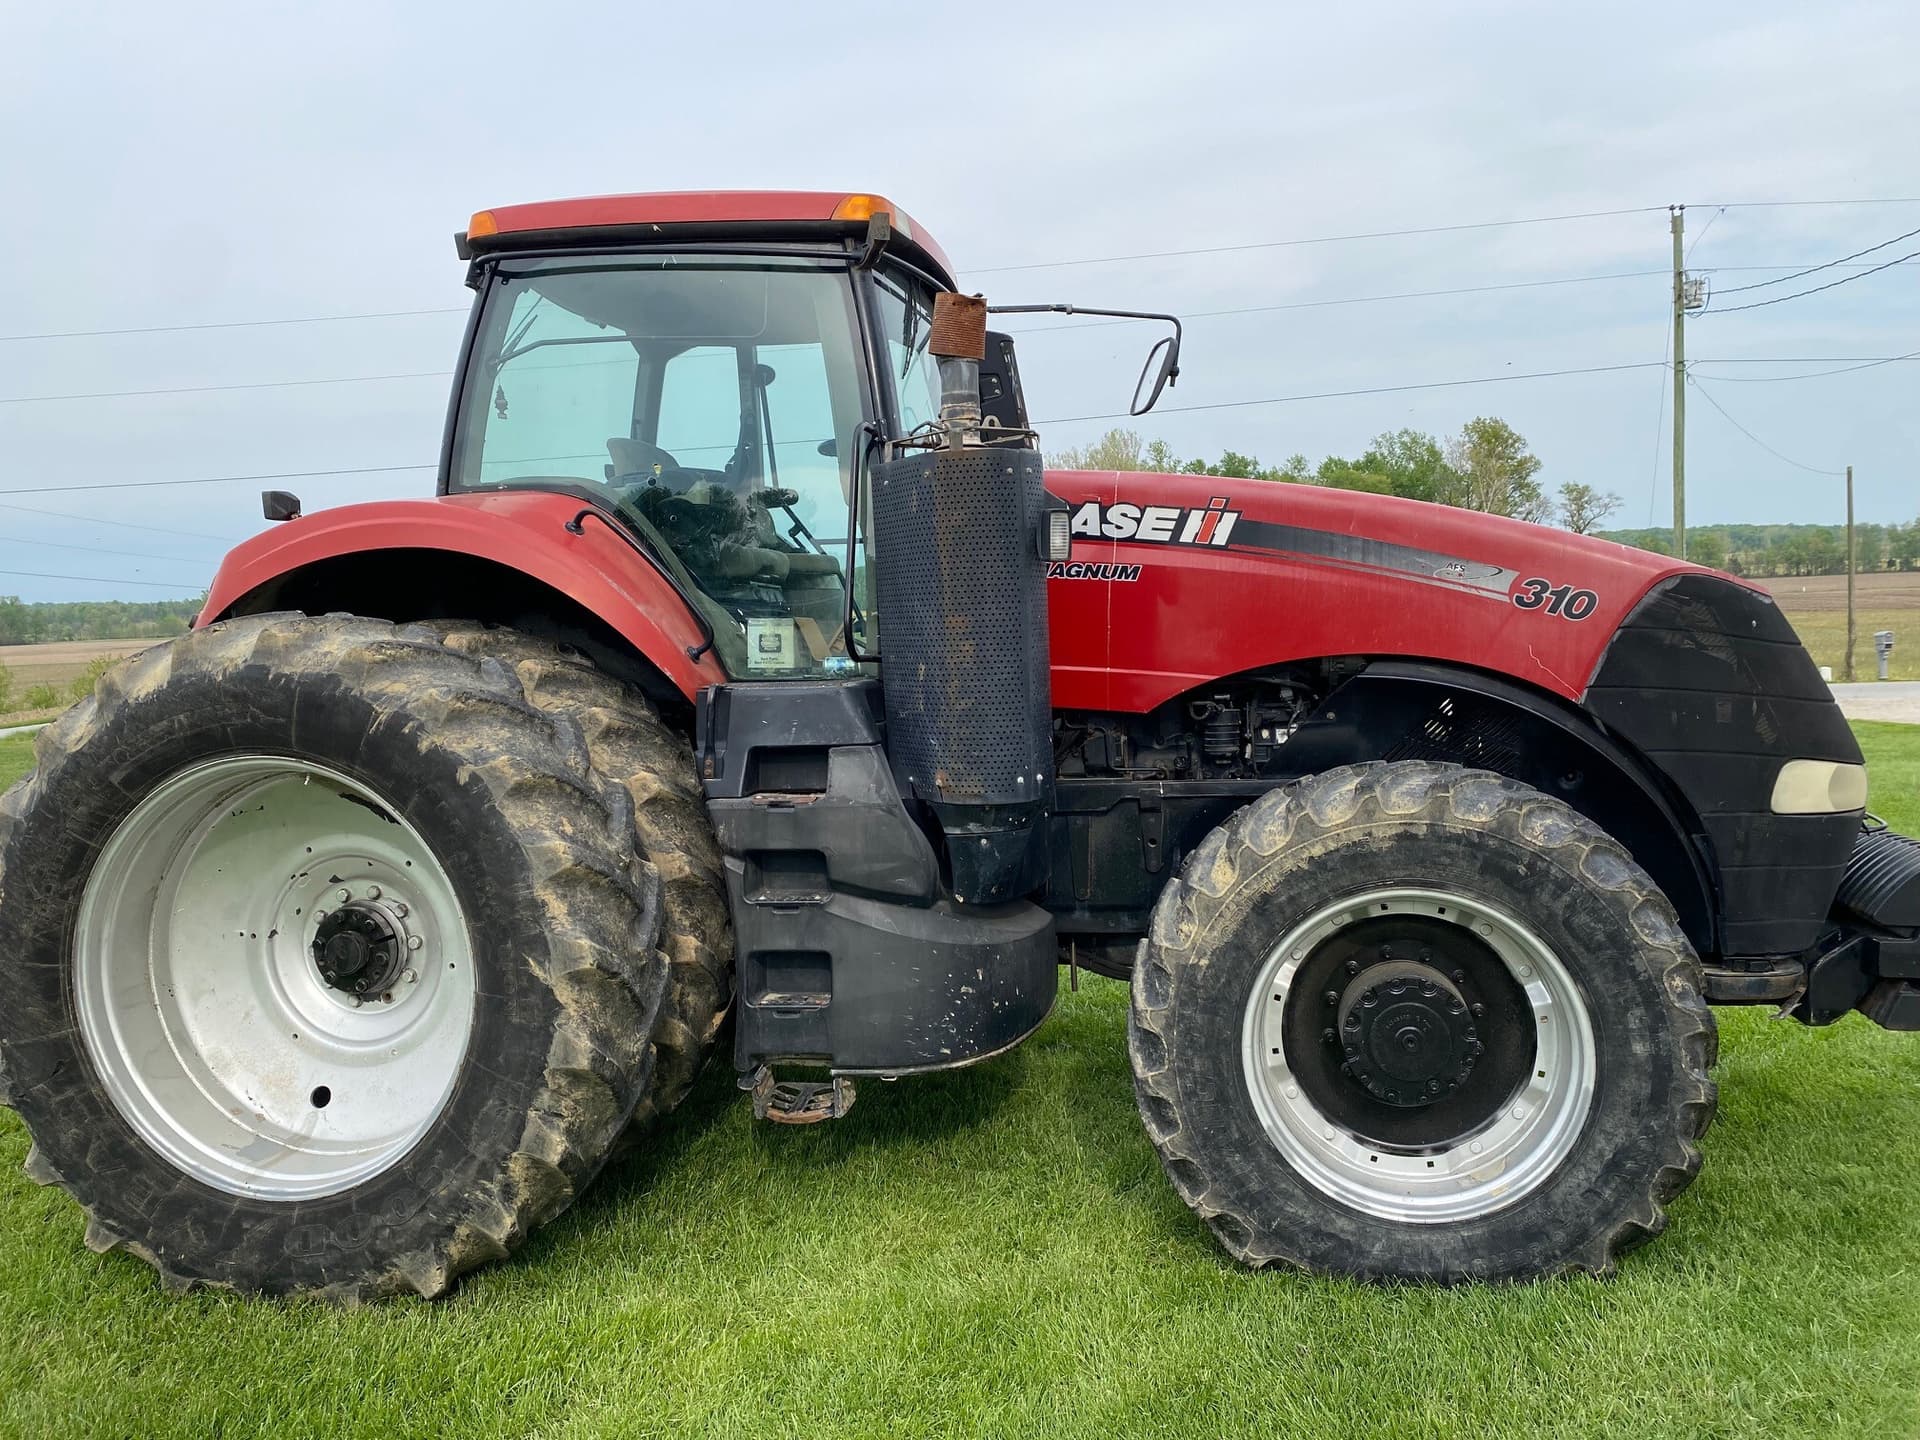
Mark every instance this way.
x=1707 y=680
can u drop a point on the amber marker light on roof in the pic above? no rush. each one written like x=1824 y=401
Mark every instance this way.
x=482 y=223
x=863 y=207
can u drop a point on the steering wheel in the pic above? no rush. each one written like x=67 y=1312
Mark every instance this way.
x=638 y=458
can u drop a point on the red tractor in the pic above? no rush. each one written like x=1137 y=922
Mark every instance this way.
x=747 y=663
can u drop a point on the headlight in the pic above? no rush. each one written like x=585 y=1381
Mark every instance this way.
x=1819 y=787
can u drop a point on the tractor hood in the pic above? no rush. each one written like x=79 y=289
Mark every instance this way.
x=1177 y=580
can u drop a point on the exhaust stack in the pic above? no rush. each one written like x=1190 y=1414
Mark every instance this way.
x=962 y=591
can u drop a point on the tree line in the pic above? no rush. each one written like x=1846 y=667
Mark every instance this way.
x=35 y=623
x=1487 y=466
x=1777 y=550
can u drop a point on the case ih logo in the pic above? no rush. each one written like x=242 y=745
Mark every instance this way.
x=1157 y=524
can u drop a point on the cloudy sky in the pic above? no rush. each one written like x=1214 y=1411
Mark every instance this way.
x=194 y=164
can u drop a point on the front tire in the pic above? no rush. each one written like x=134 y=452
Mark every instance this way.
x=327 y=965
x=1409 y=1021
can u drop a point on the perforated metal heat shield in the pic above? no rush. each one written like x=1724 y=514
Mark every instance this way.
x=962 y=596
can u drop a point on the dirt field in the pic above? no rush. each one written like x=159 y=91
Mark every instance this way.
x=57 y=665
x=1829 y=592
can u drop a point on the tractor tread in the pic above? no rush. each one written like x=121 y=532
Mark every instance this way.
x=1416 y=793
x=603 y=967
x=631 y=746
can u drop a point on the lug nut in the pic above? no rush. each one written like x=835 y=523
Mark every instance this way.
x=373 y=892
x=414 y=942
x=1479 y=1010
x=1353 y=967
x=1327 y=1036
x=412 y=979
x=1333 y=997
x=343 y=895
x=399 y=910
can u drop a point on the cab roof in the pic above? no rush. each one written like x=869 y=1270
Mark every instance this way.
x=696 y=213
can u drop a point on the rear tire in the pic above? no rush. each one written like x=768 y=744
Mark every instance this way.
x=212 y=1090
x=631 y=747
x=1407 y=1021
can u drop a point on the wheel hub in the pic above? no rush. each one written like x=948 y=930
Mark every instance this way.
x=1407 y=1031
x=358 y=950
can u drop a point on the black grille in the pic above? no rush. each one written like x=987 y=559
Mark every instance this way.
x=1459 y=732
x=963 y=623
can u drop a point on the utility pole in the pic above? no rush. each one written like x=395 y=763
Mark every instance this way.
x=1847 y=674
x=1679 y=385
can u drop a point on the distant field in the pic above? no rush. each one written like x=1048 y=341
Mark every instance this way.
x=57 y=664
x=1879 y=591
x=1817 y=606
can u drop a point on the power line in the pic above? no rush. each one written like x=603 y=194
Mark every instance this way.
x=1703 y=231
x=1780 y=204
x=1815 y=269
x=213 y=479
x=208 y=389
x=1815 y=290
x=1356 y=300
x=1707 y=395
x=121 y=524
x=1370 y=390
x=94 y=579
x=1809 y=375
x=233 y=324
x=103 y=550
x=1313 y=240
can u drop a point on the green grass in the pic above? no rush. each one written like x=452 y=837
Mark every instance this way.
x=995 y=1252
x=1824 y=633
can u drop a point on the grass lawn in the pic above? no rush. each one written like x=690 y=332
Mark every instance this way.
x=996 y=1252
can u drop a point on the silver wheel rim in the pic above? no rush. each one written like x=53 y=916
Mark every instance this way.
x=1509 y=1156
x=201 y=1004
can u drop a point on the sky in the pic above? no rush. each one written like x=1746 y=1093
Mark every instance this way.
x=201 y=164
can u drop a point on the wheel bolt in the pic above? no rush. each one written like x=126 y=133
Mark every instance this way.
x=1327 y=1036
x=1479 y=1010
x=373 y=892
x=399 y=910
x=409 y=977
x=1386 y=952
x=414 y=942
x=1459 y=977
x=1333 y=997
x=343 y=894
x=1353 y=967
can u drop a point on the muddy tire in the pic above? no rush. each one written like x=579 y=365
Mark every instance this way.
x=328 y=965
x=1408 y=1021
x=630 y=746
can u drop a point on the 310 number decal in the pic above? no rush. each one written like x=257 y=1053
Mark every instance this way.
x=1562 y=600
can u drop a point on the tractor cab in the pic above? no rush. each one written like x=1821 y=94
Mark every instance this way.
x=719 y=406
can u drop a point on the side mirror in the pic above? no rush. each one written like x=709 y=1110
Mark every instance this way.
x=279 y=505
x=1161 y=370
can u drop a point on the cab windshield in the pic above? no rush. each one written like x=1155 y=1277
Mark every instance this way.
x=713 y=404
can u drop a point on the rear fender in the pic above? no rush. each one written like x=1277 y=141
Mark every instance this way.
x=402 y=560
